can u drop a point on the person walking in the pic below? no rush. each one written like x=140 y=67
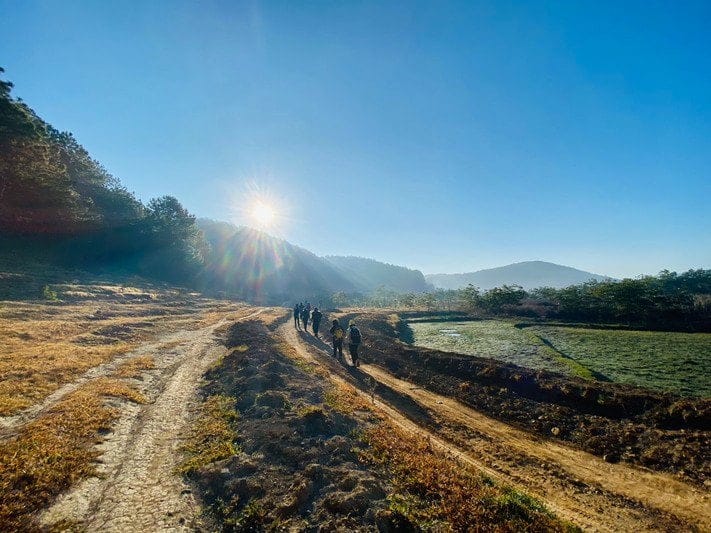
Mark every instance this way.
x=354 y=338
x=316 y=316
x=305 y=317
x=337 y=335
x=297 y=315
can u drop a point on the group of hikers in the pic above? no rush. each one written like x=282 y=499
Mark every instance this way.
x=304 y=314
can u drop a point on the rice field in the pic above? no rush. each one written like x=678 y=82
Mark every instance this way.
x=665 y=361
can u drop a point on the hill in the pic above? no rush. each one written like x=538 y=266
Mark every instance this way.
x=253 y=265
x=527 y=274
x=370 y=274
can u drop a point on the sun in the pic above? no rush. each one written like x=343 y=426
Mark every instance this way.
x=262 y=214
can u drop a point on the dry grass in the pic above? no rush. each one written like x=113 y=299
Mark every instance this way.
x=287 y=350
x=345 y=399
x=433 y=491
x=55 y=451
x=273 y=315
x=212 y=437
x=45 y=345
x=135 y=366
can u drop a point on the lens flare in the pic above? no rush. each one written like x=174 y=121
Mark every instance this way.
x=262 y=214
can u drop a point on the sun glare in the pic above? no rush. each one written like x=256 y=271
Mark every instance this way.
x=262 y=214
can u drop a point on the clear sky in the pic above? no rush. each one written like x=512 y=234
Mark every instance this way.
x=444 y=136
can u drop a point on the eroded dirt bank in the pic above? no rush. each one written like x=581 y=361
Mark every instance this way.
x=616 y=422
x=581 y=487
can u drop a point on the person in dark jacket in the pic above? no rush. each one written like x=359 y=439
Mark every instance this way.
x=354 y=338
x=316 y=316
x=305 y=312
x=297 y=315
x=337 y=335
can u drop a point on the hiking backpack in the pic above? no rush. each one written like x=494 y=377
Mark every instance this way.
x=355 y=335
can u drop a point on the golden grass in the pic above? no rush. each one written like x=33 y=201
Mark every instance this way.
x=288 y=351
x=55 y=451
x=134 y=367
x=433 y=491
x=272 y=315
x=45 y=345
x=212 y=438
x=345 y=399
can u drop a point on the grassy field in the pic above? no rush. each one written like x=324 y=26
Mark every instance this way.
x=51 y=338
x=677 y=362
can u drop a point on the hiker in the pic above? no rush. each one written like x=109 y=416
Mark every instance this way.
x=337 y=333
x=316 y=316
x=354 y=338
x=305 y=311
x=297 y=314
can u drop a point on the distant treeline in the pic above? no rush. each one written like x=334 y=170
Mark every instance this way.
x=666 y=301
x=58 y=203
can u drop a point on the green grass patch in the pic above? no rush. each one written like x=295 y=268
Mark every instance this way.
x=498 y=339
x=213 y=436
x=667 y=361
x=664 y=361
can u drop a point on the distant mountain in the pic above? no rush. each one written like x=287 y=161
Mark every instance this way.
x=369 y=274
x=527 y=274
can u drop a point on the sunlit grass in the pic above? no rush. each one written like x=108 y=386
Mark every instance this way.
x=46 y=345
x=213 y=437
x=434 y=492
x=52 y=453
x=135 y=366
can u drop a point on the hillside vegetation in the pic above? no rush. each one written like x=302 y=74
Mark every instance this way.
x=59 y=206
x=370 y=275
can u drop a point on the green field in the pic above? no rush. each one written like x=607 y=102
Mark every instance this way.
x=668 y=361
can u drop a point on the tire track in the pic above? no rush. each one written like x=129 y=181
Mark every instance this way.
x=137 y=488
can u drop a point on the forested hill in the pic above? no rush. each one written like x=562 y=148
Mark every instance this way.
x=247 y=262
x=527 y=274
x=58 y=203
x=48 y=182
x=370 y=274
x=254 y=265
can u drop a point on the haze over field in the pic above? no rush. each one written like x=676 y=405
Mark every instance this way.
x=445 y=136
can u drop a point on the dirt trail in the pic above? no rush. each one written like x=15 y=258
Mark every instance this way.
x=138 y=489
x=10 y=425
x=578 y=486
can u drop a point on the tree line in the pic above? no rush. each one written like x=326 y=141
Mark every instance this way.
x=666 y=301
x=57 y=202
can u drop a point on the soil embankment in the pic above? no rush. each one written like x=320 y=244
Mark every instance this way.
x=616 y=422
x=581 y=487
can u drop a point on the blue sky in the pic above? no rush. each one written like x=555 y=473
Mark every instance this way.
x=444 y=136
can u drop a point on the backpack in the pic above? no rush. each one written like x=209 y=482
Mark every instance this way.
x=355 y=335
x=338 y=334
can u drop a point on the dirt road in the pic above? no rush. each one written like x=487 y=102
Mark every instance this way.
x=579 y=487
x=138 y=489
